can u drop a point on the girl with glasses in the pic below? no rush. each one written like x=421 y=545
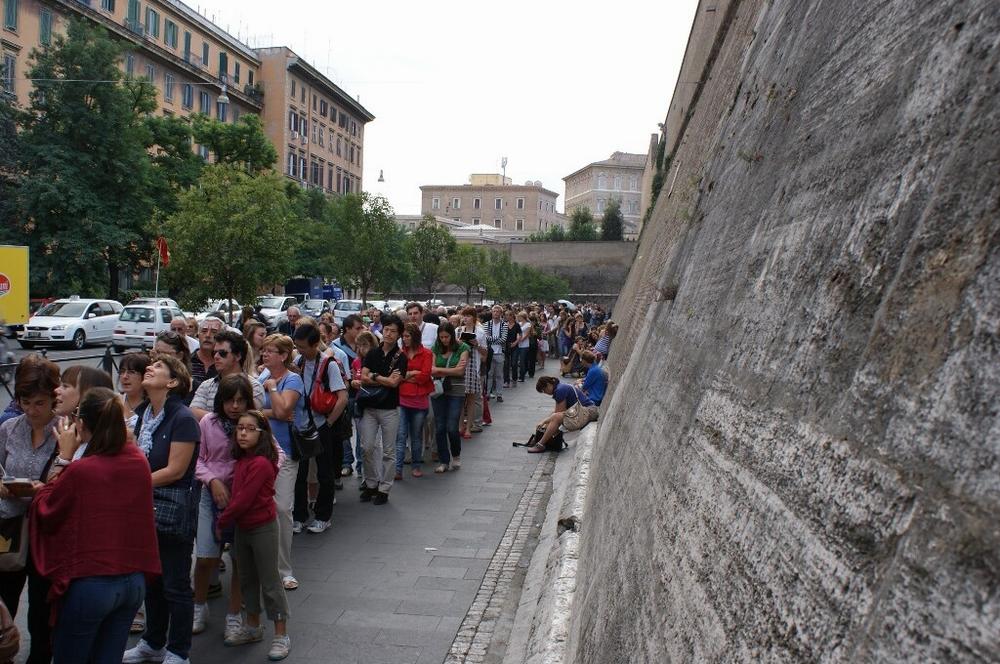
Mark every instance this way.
x=252 y=509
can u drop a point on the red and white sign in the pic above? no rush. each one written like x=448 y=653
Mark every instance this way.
x=4 y=284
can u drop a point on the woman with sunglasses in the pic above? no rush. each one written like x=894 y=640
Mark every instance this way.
x=27 y=442
x=171 y=344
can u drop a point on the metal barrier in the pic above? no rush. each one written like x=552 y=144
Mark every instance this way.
x=107 y=361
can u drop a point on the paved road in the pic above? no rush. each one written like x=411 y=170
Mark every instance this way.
x=393 y=584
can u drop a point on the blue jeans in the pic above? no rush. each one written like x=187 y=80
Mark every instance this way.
x=520 y=364
x=447 y=412
x=169 y=599
x=96 y=614
x=411 y=425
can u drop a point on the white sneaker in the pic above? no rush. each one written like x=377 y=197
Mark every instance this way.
x=456 y=464
x=246 y=634
x=142 y=652
x=317 y=526
x=296 y=527
x=234 y=623
x=200 y=618
x=280 y=647
x=175 y=659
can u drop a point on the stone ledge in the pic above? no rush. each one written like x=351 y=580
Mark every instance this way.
x=542 y=622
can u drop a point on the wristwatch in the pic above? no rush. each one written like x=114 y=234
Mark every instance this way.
x=61 y=462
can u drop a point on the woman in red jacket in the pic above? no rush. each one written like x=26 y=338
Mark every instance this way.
x=252 y=508
x=413 y=400
x=92 y=538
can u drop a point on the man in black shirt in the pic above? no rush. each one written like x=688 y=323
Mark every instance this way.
x=381 y=373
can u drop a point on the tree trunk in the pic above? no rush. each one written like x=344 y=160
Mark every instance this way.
x=113 y=277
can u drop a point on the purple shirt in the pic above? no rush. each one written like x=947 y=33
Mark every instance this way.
x=215 y=455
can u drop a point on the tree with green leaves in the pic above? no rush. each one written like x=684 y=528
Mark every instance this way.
x=85 y=194
x=229 y=236
x=468 y=267
x=8 y=173
x=612 y=223
x=365 y=240
x=241 y=143
x=430 y=247
x=581 y=225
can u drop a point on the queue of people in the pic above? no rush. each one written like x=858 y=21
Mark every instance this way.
x=238 y=440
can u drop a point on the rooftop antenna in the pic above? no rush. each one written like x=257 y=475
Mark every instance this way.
x=503 y=165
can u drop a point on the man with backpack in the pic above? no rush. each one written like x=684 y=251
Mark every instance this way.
x=326 y=399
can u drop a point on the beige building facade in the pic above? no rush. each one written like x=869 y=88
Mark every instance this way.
x=189 y=59
x=317 y=128
x=617 y=177
x=519 y=209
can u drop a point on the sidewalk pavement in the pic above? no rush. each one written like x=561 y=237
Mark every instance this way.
x=393 y=583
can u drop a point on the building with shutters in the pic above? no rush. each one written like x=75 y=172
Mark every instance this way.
x=192 y=61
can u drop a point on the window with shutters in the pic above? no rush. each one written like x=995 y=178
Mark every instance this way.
x=45 y=27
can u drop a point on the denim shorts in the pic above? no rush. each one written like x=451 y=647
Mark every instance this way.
x=206 y=546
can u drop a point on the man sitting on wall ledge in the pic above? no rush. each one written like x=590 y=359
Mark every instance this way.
x=573 y=410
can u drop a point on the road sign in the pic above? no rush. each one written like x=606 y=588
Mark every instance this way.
x=14 y=289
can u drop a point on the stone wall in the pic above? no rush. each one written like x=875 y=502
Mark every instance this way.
x=799 y=460
x=595 y=268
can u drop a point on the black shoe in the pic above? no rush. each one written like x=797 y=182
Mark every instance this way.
x=499 y=399
x=380 y=498
x=367 y=494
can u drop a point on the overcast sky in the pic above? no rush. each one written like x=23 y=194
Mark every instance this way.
x=455 y=85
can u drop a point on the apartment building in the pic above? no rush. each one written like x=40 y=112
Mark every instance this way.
x=317 y=128
x=190 y=60
x=491 y=200
x=617 y=177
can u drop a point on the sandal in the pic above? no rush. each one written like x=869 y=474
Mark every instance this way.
x=466 y=435
x=536 y=449
x=290 y=583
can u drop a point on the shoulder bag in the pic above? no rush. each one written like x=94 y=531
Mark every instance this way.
x=442 y=383
x=370 y=395
x=175 y=509
x=578 y=416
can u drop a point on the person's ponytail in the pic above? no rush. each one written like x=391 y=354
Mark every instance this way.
x=103 y=413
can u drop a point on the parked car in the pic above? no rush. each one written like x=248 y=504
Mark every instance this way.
x=71 y=321
x=314 y=308
x=222 y=307
x=141 y=320
x=392 y=305
x=272 y=309
x=345 y=308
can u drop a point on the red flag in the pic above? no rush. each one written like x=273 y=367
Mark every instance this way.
x=161 y=245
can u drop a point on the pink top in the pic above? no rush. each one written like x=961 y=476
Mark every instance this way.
x=215 y=454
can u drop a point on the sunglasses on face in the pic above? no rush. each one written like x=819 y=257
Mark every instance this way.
x=221 y=353
x=168 y=335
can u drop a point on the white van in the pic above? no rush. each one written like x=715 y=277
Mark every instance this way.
x=141 y=320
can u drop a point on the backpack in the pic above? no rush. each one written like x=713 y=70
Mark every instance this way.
x=556 y=444
x=321 y=399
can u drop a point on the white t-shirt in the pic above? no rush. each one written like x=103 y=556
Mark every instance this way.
x=525 y=342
